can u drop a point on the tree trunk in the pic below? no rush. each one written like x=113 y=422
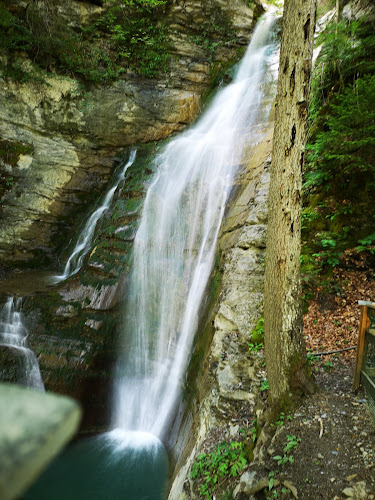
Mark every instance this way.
x=284 y=341
x=338 y=11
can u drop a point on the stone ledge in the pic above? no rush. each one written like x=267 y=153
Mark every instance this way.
x=34 y=426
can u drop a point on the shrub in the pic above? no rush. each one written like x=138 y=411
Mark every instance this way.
x=129 y=35
x=226 y=460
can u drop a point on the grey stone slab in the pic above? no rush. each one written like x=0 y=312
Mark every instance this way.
x=34 y=427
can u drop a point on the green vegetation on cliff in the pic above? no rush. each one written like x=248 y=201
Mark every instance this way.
x=339 y=177
x=127 y=35
x=213 y=469
x=117 y=37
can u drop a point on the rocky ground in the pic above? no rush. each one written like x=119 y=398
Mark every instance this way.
x=326 y=446
x=334 y=452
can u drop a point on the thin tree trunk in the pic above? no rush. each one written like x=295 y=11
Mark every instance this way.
x=284 y=342
x=338 y=12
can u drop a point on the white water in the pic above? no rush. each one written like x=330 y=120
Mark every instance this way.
x=121 y=440
x=13 y=333
x=83 y=244
x=175 y=245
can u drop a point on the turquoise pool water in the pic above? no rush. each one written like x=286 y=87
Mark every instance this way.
x=117 y=465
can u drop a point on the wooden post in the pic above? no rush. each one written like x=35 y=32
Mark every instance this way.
x=363 y=325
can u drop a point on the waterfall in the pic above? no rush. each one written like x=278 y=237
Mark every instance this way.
x=83 y=244
x=13 y=334
x=175 y=245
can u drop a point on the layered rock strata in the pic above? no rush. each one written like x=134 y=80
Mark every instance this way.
x=73 y=131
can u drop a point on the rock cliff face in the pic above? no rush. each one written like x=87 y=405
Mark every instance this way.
x=74 y=326
x=73 y=132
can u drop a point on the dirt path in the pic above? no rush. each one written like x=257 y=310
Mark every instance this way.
x=335 y=453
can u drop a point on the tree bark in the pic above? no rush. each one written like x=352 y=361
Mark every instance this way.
x=338 y=11
x=284 y=342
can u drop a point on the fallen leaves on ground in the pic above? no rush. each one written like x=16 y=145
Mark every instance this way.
x=332 y=320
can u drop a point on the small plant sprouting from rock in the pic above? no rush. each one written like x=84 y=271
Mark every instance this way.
x=265 y=385
x=254 y=431
x=225 y=461
x=257 y=337
x=257 y=333
x=254 y=348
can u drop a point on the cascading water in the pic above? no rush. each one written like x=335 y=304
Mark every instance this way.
x=174 y=251
x=83 y=244
x=13 y=334
x=175 y=244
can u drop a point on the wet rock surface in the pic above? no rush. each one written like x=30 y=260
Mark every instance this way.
x=11 y=365
x=74 y=325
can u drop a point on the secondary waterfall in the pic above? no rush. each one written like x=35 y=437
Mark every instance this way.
x=175 y=244
x=83 y=244
x=13 y=334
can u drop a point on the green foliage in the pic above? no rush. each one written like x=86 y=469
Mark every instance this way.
x=341 y=150
x=339 y=171
x=14 y=33
x=347 y=53
x=366 y=244
x=226 y=460
x=129 y=35
x=327 y=365
x=137 y=38
x=254 y=430
x=316 y=363
x=148 y=4
x=281 y=420
x=265 y=386
x=257 y=333
x=289 y=446
x=329 y=256
x=271 y=479
x=213 y=33
x=254 y=348
x=308 y=215
x=310 y=358
x=343 y=153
